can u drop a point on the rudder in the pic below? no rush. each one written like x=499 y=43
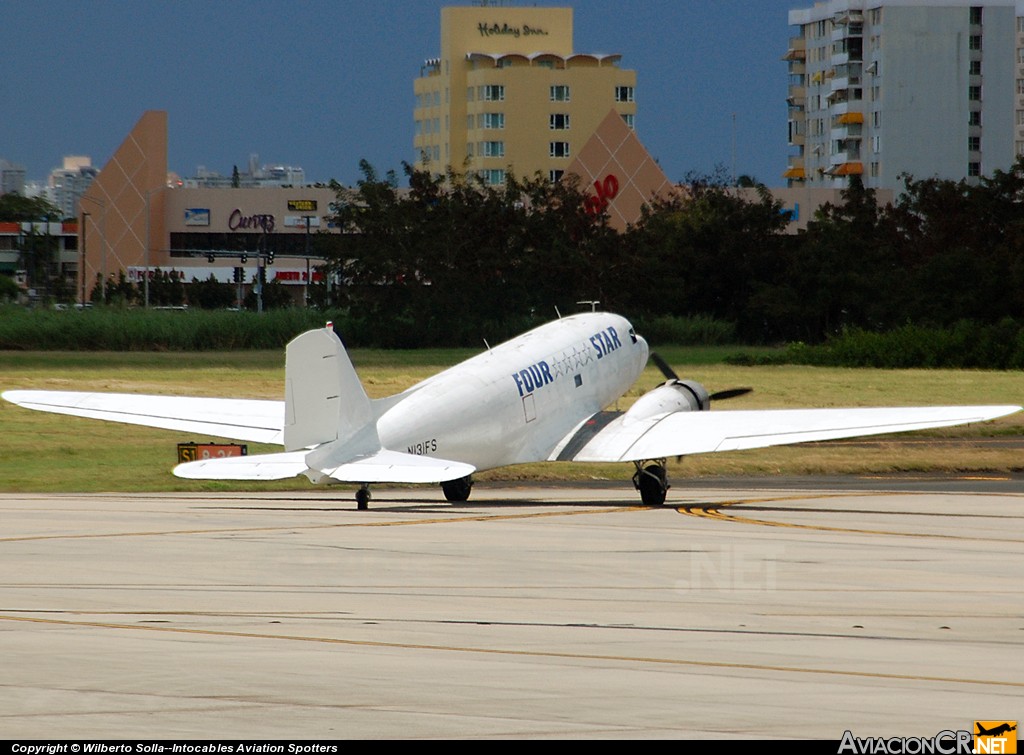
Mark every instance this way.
x=324 y=400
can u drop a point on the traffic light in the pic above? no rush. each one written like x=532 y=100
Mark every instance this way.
x=209 y=257
x=270 y=257
x=245 y=258
x=238 y=274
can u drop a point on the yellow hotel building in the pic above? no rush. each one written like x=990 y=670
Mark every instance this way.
x=508 y=93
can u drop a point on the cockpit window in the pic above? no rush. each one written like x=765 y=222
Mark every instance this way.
x=632 y=335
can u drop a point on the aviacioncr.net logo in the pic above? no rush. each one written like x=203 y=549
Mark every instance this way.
x=946 y=742
x=995 y=737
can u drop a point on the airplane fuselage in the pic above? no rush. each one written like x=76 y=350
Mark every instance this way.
x=528 y=394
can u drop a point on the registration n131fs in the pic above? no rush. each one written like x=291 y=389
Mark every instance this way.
x=542 y=396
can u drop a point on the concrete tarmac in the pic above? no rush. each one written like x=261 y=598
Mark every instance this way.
x=737 y=611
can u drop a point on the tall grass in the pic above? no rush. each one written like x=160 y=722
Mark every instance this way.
x=966 y=345
x=698 y=330
x=113 y=329
x=133 y=329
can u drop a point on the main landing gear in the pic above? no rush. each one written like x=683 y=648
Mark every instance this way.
x=458 y=490
x=455 y=491
x=651 y=481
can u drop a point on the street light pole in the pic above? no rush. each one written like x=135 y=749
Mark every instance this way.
x=81 y=256
x=306 y=292
x=149 y=243
x=106 y=245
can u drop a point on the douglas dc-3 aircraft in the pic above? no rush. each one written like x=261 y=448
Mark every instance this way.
x=539 y=397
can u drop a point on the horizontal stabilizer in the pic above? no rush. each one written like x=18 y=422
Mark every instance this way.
x=253 y=420
x=682 y=433
x=257 y=467
x=383 y=466
x=396 y=466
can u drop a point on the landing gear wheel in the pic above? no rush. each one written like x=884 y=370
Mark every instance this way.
x=458 y=490
x=652 y=483
x=363 y=498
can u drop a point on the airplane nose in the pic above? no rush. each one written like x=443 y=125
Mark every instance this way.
x=642 y=351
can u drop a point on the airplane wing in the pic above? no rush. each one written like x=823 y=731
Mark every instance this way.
x=684 y=433
x=380 y=466
x=253 y=420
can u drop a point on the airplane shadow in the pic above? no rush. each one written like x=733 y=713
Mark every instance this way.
x=385 y=504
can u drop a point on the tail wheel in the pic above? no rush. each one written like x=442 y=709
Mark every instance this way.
x=458 y=490
x=652 y=483
x=363 y=498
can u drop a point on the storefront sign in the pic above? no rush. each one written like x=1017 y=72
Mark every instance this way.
x=197 y=216
x=299 y=221
x=301 y=205
x=606 y=190
x=298 y=276
x=258 y=222
x=505 y=30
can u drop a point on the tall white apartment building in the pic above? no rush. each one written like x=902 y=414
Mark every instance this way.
x=880 y=88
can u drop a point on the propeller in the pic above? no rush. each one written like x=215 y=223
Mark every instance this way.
x=670 y=374
x=729 y=393
x=666 y=370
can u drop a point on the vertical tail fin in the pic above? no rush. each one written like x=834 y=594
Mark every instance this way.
x=324 y=400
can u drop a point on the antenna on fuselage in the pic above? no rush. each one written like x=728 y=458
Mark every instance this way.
x=487 y=344
x=557 y=312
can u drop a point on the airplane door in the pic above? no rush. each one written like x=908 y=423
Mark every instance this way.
x=529 y=408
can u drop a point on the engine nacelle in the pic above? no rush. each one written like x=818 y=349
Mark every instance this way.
x=671 y=396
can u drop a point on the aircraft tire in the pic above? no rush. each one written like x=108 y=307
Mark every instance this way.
x=652 y=485
x=457 y=491
x=363 y=499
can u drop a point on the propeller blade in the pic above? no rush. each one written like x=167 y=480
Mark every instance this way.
x=730 y=393
x=662 y=365
x=670 y=374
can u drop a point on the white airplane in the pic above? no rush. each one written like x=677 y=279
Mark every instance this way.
x=542 y=396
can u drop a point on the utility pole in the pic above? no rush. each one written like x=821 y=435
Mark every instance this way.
x=81 y=257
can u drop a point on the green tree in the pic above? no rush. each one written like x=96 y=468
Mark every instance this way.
x=9 y=290
x=963 y=247
x=38 y=250
x=211 y=294
x=702 y=251
x=452 y=258
x=166 y=289
x=842 y=271
x=19 y=209
x=274 y=294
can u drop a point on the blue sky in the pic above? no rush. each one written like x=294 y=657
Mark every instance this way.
x=323 y=84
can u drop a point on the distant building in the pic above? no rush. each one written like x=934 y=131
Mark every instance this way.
x=508 y=92
x=12 y=178
x=137 y=218
x=67 y=184
x=878 y=88
x=57 y=245
x=254 y=177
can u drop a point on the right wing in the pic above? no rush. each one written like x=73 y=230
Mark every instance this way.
x=684 y=433
x=253 y=420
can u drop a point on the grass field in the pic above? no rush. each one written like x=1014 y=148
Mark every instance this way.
x=47 y=453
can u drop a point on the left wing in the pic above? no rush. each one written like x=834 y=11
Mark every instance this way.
x=683 y=433
x=254 y=420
